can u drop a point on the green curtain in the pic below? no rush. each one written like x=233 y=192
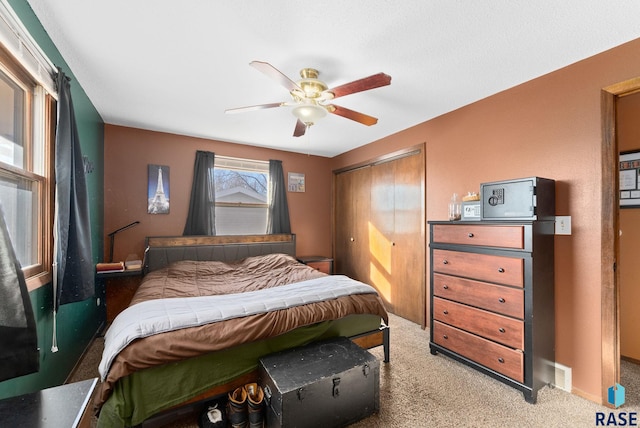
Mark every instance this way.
x=74 y=274
x=278 y=216
x=201 y=219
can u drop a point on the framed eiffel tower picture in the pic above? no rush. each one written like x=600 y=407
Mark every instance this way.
x=158 y=190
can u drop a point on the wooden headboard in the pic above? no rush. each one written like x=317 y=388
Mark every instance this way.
x=162 y=250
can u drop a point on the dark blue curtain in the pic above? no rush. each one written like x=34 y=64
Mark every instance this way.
x=201 y=219
x=73 y=270
x=18 y=336
x=278 y=216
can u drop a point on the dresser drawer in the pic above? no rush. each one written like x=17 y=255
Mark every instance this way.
x=490 y=236
x=505 y=330
x=497 y=298
x=486 y=267
x=500 y=358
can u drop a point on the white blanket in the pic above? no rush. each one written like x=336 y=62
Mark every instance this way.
x=162 y=315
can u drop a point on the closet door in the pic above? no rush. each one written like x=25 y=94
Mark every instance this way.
x=397 y=236
x=382 y=226
x=351 y=213
x=409 y=247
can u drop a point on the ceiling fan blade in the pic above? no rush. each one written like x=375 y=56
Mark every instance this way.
x=275 y=74
x=353 y=115
x=300 y=129
x=364 y=84
x=253 y=108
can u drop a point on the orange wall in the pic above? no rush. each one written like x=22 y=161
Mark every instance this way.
x=128 y=151
x=628 y=123
x=548 y=127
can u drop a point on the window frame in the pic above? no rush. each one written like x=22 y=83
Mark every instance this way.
x=39 y=134
x=242 y=164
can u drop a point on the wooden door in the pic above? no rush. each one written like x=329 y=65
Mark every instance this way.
x=351 y=239
x=396 y=236
x=344 y=212
x=409 y=274
x=379 y=231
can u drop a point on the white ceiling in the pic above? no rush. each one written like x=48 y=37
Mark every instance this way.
x=176 y=66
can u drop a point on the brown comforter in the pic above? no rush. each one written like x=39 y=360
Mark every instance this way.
x=201 y=278
x=190 y=278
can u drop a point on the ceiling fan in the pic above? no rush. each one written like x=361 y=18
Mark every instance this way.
x=311 y=98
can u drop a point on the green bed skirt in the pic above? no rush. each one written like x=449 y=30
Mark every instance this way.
x=147 y=392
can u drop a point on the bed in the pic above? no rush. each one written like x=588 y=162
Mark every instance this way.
x=207 y=309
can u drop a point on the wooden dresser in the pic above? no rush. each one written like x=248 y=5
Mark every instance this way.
x=492 y=299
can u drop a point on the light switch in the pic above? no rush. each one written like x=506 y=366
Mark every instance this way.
x=563 y=225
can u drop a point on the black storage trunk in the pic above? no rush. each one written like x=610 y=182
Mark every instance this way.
x=325 y=384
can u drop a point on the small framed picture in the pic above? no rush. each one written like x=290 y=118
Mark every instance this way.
x=296 y=182
x=158 y=189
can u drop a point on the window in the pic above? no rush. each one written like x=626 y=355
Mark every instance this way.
x=27 y=120
x=241 y=196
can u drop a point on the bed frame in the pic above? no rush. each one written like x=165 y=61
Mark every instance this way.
x=162 y=250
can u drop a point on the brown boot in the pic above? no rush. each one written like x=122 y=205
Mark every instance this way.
x=237 y=408
x=255 y=398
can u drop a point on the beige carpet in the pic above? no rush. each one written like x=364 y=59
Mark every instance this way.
x=418 y=389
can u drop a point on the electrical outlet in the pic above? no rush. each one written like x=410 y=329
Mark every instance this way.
x=563 y=225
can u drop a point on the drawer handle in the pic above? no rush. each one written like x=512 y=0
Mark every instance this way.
x=501 y=330
x=445 y=262
x=352 y=239
x=501 y=300
x=446 y=312
x=470 y=235
x=444 y=336
x=446 y=287
x=501 y=270
x=501 y=360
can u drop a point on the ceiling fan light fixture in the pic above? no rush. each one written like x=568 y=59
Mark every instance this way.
x=311 y=96
x=309 y=113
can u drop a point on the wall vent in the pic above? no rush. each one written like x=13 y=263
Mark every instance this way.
x=563 y=377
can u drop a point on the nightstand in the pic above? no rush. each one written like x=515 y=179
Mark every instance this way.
x=119 y=288
x=321 y=263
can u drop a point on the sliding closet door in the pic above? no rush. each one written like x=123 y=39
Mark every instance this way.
x=408 y=248
x=382 y=227
x=397 y=236
x=380 y=238
x=351 y=207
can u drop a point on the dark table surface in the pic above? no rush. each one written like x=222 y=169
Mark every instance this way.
x=60 y=406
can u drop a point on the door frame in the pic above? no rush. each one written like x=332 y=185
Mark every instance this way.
x=610 y=305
